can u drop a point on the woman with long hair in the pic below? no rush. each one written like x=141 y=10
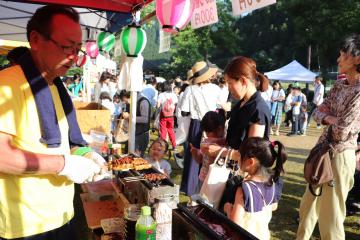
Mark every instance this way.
x=277 y=105
x=103 y=85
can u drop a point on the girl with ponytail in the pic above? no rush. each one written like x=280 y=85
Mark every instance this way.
x=261 y=189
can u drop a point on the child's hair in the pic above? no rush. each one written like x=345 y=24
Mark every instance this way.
x=304 y=107
x=162 y=142
x=212 y=120
x=105 y=95
x=264 y=151
x=167 y=86
x=124 y=93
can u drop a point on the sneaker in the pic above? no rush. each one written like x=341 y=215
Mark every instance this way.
x=277 y=133
x=271 y=132
x=318 y=127
x=303 y=134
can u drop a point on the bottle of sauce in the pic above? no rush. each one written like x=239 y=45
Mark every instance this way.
x=145 y=227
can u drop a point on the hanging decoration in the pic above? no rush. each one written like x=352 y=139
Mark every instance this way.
x=106 y=41
x=133 y=40
x=81 y=59
x=175 y=14
x=92 y=49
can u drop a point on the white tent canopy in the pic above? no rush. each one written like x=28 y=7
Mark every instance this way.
x=292 y=72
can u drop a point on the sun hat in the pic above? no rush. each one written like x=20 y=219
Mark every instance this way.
x=189 y=75
x=202 y=71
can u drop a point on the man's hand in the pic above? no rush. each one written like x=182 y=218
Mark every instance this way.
x=80 y=169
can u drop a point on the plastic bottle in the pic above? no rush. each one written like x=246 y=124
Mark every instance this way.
x=145 y=226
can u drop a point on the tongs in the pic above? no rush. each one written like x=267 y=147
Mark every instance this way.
x=134 y=179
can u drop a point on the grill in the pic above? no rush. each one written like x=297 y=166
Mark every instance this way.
x=145 y=192
x=213 y=224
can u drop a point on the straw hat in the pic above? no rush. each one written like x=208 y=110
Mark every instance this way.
x=189 y=75
x=202 y=72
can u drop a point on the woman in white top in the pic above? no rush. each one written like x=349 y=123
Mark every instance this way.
x=103 y=85
x=198 y=99
x=277 y=104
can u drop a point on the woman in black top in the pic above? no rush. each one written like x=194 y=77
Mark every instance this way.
x=250 y=117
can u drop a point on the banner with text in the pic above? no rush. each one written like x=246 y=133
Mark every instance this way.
x=165 y=41
x=205 y=13
x=244 y=6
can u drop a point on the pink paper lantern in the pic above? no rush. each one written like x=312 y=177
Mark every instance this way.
x=175 y=14
x=92 y=49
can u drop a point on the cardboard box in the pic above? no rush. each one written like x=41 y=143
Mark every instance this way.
x=92 y=116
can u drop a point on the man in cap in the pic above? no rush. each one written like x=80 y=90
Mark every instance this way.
x=40 y=157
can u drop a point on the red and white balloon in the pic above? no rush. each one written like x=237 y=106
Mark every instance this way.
x=81 y=59
x=173 y=15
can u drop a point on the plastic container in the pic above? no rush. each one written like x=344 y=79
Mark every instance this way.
x=145 y=226
x=163 y=217
x=132 y=214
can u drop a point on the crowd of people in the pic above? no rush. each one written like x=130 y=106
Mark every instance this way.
x=38 y=168
x=293 y=102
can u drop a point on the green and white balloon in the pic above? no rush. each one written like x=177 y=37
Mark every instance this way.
x=133 y=40
x=106 y=41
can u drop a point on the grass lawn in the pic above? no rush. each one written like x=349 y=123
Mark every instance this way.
x=283 y=225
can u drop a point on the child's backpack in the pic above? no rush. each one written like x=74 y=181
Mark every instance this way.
x=168 y=108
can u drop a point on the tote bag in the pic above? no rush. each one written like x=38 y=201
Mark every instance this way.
x=121 y=133
x=215 y=181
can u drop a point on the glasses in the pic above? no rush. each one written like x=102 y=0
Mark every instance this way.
x=68 y=50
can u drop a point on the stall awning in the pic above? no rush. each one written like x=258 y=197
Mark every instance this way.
x=124 y=6
x=95 y=15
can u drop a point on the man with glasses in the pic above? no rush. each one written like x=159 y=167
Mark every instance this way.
x=42 y=151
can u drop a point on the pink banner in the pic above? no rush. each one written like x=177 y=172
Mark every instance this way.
x=205 y=13
x=245 y=6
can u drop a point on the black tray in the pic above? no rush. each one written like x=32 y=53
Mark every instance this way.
x=151 y=185
x=234 y=231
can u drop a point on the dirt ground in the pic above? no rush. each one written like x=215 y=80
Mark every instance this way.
x=283 y=224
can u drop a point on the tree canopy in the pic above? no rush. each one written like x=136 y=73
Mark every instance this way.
x=273 y=36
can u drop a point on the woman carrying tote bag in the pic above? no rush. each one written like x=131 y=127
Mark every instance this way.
x=198 y=99
x=250 y=117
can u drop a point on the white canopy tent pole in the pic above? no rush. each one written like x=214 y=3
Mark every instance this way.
x=132 y=121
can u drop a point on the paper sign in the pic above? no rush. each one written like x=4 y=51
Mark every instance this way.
x=205 y=13
x=244 y=6
x=165 y=41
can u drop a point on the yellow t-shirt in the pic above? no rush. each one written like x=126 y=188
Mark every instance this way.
x=31 y=204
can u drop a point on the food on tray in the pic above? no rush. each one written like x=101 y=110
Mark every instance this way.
x=128 y=162
x=154 y=177
x=122 y=163
x=141 y=164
